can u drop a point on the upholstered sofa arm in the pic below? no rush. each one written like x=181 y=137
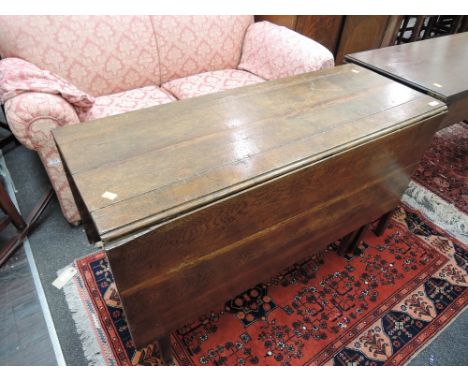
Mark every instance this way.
x=272 y=52
x=32 y=117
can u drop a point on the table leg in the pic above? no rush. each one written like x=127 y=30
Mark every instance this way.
x=383 y=223
x=359 y=236
x=350 y=242
x=165 y=349
x=345 y=243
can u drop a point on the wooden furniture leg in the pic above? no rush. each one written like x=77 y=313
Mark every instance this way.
x=9 y=208
x=16 y=241
x=358 y=237
x=165 y=349
x=346 y=242
x=383 y=223
x=351 y=241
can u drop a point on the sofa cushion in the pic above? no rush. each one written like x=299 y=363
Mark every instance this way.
x=194 y=44
x=130 y=100
x=18 y=76
x=98 y=54
x=272 y=52
x=210 y=82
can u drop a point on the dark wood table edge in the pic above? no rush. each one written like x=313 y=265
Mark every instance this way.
x=350 y=59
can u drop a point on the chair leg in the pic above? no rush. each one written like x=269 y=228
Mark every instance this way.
x=15 y=242
x=9 y=208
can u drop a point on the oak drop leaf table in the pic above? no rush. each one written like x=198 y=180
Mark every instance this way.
x=197 y=200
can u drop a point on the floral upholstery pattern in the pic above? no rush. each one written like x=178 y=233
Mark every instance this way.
x=18 y=76
x=210 y=82
x=50 y=158
x=98 y=54
x=123 y=102
x=194 y=44
x=272 y=52
x=32 y=117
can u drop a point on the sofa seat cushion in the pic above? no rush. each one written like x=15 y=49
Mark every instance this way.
x=210 y=82
x=123 y=102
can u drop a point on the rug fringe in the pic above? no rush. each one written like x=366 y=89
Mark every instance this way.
x=437 y=210
x=89 y=344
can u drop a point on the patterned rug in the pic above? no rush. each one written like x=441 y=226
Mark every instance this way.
x=444 y=167
x=378 y=306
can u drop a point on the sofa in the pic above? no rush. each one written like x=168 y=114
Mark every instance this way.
x=64 y=70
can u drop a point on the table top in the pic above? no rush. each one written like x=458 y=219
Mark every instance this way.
x=436 y=66
x=140 y=169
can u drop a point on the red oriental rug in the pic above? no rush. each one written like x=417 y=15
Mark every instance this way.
x=444 y=167
x=378 y=306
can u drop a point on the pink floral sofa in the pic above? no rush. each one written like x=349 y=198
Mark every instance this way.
x=63 y=70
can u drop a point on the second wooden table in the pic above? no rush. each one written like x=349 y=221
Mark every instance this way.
x=438 y=67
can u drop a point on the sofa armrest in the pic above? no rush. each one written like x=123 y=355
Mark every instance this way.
x=32 y=117
x=18 y=76
x=272 y=52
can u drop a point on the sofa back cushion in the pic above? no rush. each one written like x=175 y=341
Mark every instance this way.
x=98 y=54
x=194 y=44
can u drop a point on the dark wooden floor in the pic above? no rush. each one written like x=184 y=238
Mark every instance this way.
x=24 y=339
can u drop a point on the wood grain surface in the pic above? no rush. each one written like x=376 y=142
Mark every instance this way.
x=436 y=66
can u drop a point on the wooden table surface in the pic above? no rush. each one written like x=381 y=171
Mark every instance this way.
x=200 y=199
x=163 y=161
x=437 y=66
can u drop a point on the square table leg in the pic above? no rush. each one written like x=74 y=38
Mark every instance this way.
x=165 y=349
x=383 y=223
x=359 y=236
